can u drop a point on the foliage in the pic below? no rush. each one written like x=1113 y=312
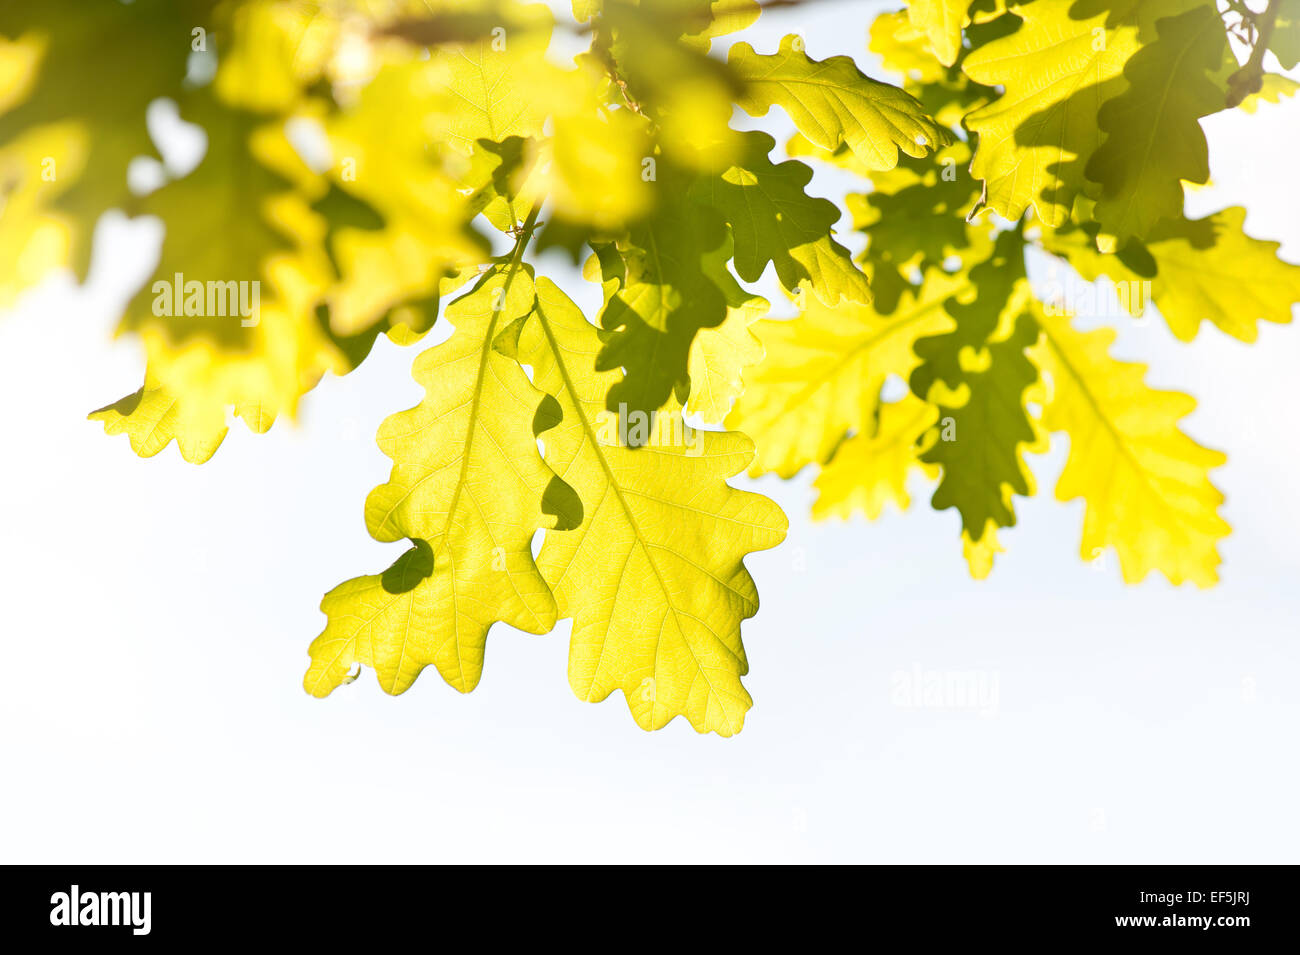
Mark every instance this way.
x=364 y=158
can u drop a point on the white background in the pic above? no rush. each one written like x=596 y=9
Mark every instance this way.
x=157 y=616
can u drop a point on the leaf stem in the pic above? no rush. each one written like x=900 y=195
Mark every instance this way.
x=1250 y=78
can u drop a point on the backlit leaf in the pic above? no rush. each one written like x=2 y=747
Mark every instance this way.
x=137 y=52
x=870 y=470
x=1195 y=270
x=653 y=577
x=942 y=22
x=822 y=373
x=1285 y=42
x=665 y=297
x=1154 y=139
x=468 y=484
x=978 y=374
x=832 y=102
x=1056 y=69
x=774 y=221
x=1145 y=484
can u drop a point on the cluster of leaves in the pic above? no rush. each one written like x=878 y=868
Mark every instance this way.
x=1079 y=123
x=365 y=157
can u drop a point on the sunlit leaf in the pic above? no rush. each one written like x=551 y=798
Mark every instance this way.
x=832 y=102
x=979 y=375
x=1154 y=139
x=469 y=487
x=941 y=21
x=773 y=220
x=1145 y=484
x=823 y=371
x=1056 y=69
x=1195 y=270
x=653 y=577
x=872 y=469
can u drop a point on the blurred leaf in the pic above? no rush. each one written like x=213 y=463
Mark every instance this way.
x=1285 y=41
x=1273 y=89
x=914 y=219
x=942 y=22
x=88 y=69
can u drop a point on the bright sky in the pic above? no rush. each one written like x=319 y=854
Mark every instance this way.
x=158 y=614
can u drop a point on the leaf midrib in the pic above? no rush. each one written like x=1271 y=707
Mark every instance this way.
x=627 y=510
x=863 y=343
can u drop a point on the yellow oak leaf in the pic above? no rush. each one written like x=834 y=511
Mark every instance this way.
x=942 y=22
x=654 y=576
x=832 y=102
x=1056 y=70
x=151 y=418
x=871 y=469
x=469 y=487
x=1145 y=484
x=822 y=373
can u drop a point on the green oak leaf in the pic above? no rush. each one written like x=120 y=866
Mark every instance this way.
x=719 y=356
x=773 y=220
x=872 y=468
x=1285 y=41
x=1144 y=482
x=152 y=418
x=665 y=297
x=1064 y=62
x=1154 y=139
x=821 y=376
x=914 y=218
x=978 y=374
